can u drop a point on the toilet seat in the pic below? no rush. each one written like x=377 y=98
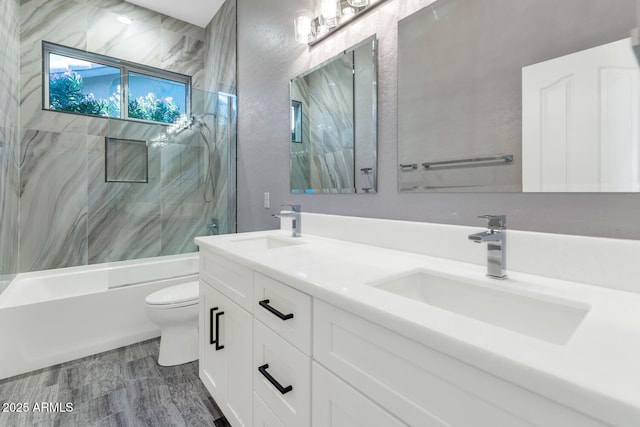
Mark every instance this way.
x=182 y=295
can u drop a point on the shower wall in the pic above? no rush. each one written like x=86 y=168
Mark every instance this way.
x=69 y=215
x=220 y=79
x=9 y=142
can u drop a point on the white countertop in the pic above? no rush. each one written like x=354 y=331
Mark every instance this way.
x=596 y=372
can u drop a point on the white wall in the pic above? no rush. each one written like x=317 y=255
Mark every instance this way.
x=268 y=57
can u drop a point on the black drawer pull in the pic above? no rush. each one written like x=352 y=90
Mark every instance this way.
x=218 y=347
x=273 y=381
x=212 y=340
x=265 y=304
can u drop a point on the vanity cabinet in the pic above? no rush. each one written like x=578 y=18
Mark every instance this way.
x=421 y=386
x=272 y=355
x=337 y=404
x=226 y=343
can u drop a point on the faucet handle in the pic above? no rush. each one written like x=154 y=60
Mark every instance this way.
x=495 y=221
x=294 y=207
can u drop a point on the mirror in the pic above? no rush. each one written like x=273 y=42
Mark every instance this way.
x=510 y=96
x=333 y=124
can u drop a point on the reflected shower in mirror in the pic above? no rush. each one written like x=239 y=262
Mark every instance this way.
x=333 y=124
x=533 y=95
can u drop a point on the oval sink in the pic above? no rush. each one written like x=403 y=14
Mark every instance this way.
x=542 y=317
x=266 y=242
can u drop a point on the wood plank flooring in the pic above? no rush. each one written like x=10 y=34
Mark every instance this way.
x=122 y=387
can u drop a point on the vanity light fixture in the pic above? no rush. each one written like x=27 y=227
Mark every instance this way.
x=334 y=14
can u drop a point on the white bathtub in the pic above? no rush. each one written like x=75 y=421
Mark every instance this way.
x=54 y=316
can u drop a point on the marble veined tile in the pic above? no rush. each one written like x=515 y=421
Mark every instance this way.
x=57 y=21
x=9 y=66
x=53 y=198
x=9 y=205
x=124 y=218
x=124 y=8
x=138 y=42
x=220 y=59
x=182 y=27
x=184 y=168
x=182 y=54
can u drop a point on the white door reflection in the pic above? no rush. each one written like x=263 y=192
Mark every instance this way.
x=580 y=122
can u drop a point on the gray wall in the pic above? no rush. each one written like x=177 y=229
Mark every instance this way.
x=9 y=141
x=268 y=57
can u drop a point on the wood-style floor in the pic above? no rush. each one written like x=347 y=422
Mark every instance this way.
x=122 y=387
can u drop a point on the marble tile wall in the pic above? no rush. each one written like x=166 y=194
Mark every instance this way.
x=221 y=90
x=330 y=111
x=9 y=139
x=72 y=216
x=301 y=152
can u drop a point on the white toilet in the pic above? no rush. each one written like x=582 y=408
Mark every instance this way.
x=175 y=310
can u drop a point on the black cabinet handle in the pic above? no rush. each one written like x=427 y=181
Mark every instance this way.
x=265 y=304
x=212 y=340
x=218 y=347
x=263 y=370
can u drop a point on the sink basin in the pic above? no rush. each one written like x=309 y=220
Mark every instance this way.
x=267 y=242
x=552 y=320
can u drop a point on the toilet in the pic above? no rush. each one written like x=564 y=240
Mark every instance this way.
x=175 y=311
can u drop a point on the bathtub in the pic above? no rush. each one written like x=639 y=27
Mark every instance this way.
x=54 y=316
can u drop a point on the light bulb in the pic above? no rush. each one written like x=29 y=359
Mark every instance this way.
x=302 y=26
x=329 y=12
x=347 y=13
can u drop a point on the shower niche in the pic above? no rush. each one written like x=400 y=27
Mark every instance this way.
x=126 y=160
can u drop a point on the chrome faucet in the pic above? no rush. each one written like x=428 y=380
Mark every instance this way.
x=296 y=219
x=496 y=238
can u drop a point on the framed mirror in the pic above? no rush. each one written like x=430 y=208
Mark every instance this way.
x=334 y=124
x=511 y=96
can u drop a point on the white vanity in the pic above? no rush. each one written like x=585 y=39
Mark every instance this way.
x=369 y=322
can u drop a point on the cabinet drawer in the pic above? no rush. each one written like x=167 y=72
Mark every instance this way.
x=337 y=404
x=234 y=280
x=285 y=310
x=287 y=367
x=421 y=386
x=262 y=415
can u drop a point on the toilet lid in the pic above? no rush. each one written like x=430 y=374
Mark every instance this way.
x=174 y=294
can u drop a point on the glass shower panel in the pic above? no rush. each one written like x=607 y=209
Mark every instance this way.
x=190 y=190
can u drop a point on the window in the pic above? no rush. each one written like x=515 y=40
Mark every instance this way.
x=79 y=82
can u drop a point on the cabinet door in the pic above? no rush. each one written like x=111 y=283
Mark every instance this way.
x=337 y=404
x=226 y=355
x=212 y=362
x=263 y=416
